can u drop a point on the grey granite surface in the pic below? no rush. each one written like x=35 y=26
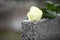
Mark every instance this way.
x=46 y=30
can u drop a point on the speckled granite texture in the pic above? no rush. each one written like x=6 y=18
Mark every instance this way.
x=46 y=30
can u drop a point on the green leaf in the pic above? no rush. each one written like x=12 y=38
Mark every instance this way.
x=57 y=8
x=50 y=5
x=44 y=11
x=49 y=14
